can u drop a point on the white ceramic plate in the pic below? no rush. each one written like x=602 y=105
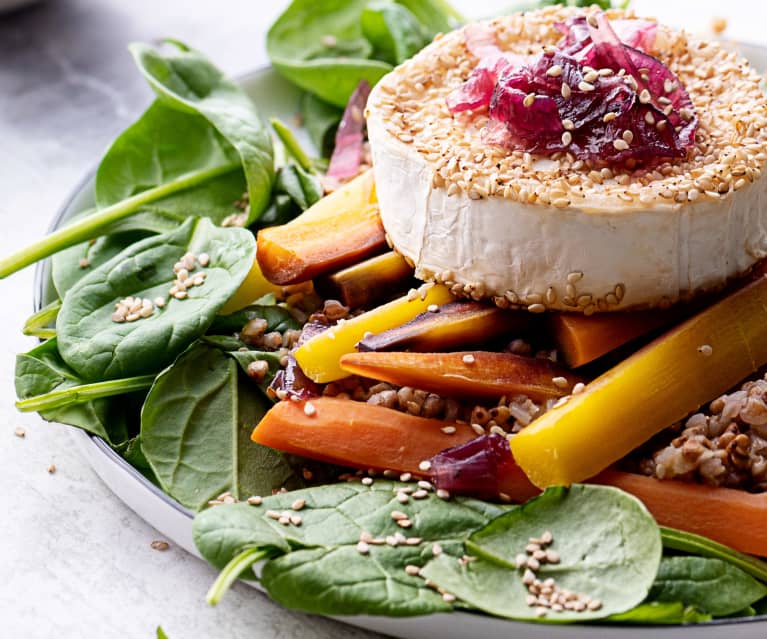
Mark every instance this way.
x=274 y=96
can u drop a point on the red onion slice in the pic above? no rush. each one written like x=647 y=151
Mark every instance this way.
x=347 y=154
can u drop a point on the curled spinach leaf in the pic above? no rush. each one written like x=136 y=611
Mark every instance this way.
x=42 y=371
x=710 y=585
x=188 y=81
x=609 y=546
x=98 y=348
x=316 y=567
x=660 y=613
x=195 y=432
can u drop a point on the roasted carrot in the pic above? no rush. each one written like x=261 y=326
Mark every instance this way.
x=465 y=374
x=360 y=285
x=581 y=339
x=355 y=434
x=341 y=229
x=732 y=517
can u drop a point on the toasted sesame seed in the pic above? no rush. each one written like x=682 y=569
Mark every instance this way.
x=592 y=20
x=432 y=308
x=566 y=90
x=560 y=382
x=84 y=262
x=298 y=504
x=443 y=494
x=272 y=514
x=19 y=431
x=528 y=577
x=448 y=430
x=425 y=485
x=552 y=556
x=567 y=138
x=367 y=481
x=585 y=86
x=398 y=515
x=628 y=136
x=179 y=295
x=296 y=520
x=591 y=76
x=447 y=597
x=402 y=498
x=424 y=466
x=529 y=99
x=620 y=144
x=533 y=563
x=594 y=604
x=578 y=388
x=405 y=477
x=705 y=350
x=159 y=544
x=420 y=494
x=413 y=570
x=363 y=548
x=468 y=358
x=255 y=500
x=554 y=71
x=436 y=549
x=532 y=547
x=568 y=125
x=520 y=560
x=309 y=409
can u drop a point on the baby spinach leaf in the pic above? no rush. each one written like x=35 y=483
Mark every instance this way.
x=609 y=546
x=66 y=266
x=660 y=613
x=693 y=544
x=711 y=585
x=164 y=146
x=134 y=455
x=42 y=371
x=187 y=80
x=317 y=567
x=291 y=144
x=394 y=32
x=436 y=16
x=295 y=190
x=320 y=120
x=98 y=348
x=319 y=46
x=195 y=432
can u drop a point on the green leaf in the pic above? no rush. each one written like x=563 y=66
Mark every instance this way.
x=161 y=633
x=394 y=31
x=186 y=80
x=320 y=120
x=711 y=585
x=291 y=144
x=318 y=568
x=66 y=270
x=437 y=16
x=42 y=370
x=319 y=46
x=98 y=348
x=693 y=544
x=195 y=432
x=609 y=546
x=295 y=190
x=660 y=613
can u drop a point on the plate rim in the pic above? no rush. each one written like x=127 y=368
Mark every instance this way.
x=42 y=277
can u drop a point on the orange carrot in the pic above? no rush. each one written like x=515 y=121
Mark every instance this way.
x=465 y=374
x=581 y=339
x=732 y=517
x=339 y=230
x=355 y=434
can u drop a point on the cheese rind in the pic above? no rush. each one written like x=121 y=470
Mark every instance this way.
x=547 y=233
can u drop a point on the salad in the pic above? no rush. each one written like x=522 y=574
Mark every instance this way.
x=458 y=360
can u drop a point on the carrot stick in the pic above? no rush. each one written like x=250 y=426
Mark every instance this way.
x=465 y=374
x=355 y=434
x=732 y=517
x=341 y=229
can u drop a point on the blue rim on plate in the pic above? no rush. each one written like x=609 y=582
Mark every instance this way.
x=43 y=287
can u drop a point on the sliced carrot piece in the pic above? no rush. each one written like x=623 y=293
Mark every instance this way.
x=732 y=517
x=341 y=431
x=341 y=229
x=465 y=374
x=581 y=339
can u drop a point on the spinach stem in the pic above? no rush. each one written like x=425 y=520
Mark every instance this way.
x=292 y=146
x=91 y=226
x=238 y=565
x=37 y=325
x=84 y=393
x=697 y=545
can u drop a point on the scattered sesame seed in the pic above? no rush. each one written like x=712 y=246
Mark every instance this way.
x=628 y=136
x=20 y=432
x=586 y=86
x=51 y=469
x=533 y=563
x=298 y=504
x=468 y=358
x=84 y=262
x=448 y=430
x=404 y=523
x=567 y=138
x=413 y=570
x=367 y=481
x=413 y=541
x=443 y=494
x=405 y=477
x=425 y=485
x=284 y=520
x=566 y=92
x=447 y=597
x=529 y=99
x=436 y=550
x=554 y=71
x=528 y=577
x=425 y=465
x=420 y=494
x=560 y=382
x=520 y=560
x=402 y=498
x=309 y=409
x=705 y=350
x=620 y=144
x=568 y=125
x=272 y=514
x=398 y=515
x=159 y=544
x=552 y=556
x=255 y=500
x=363 y=548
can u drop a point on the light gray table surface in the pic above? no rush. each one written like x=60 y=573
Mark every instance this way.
x=74 y=561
